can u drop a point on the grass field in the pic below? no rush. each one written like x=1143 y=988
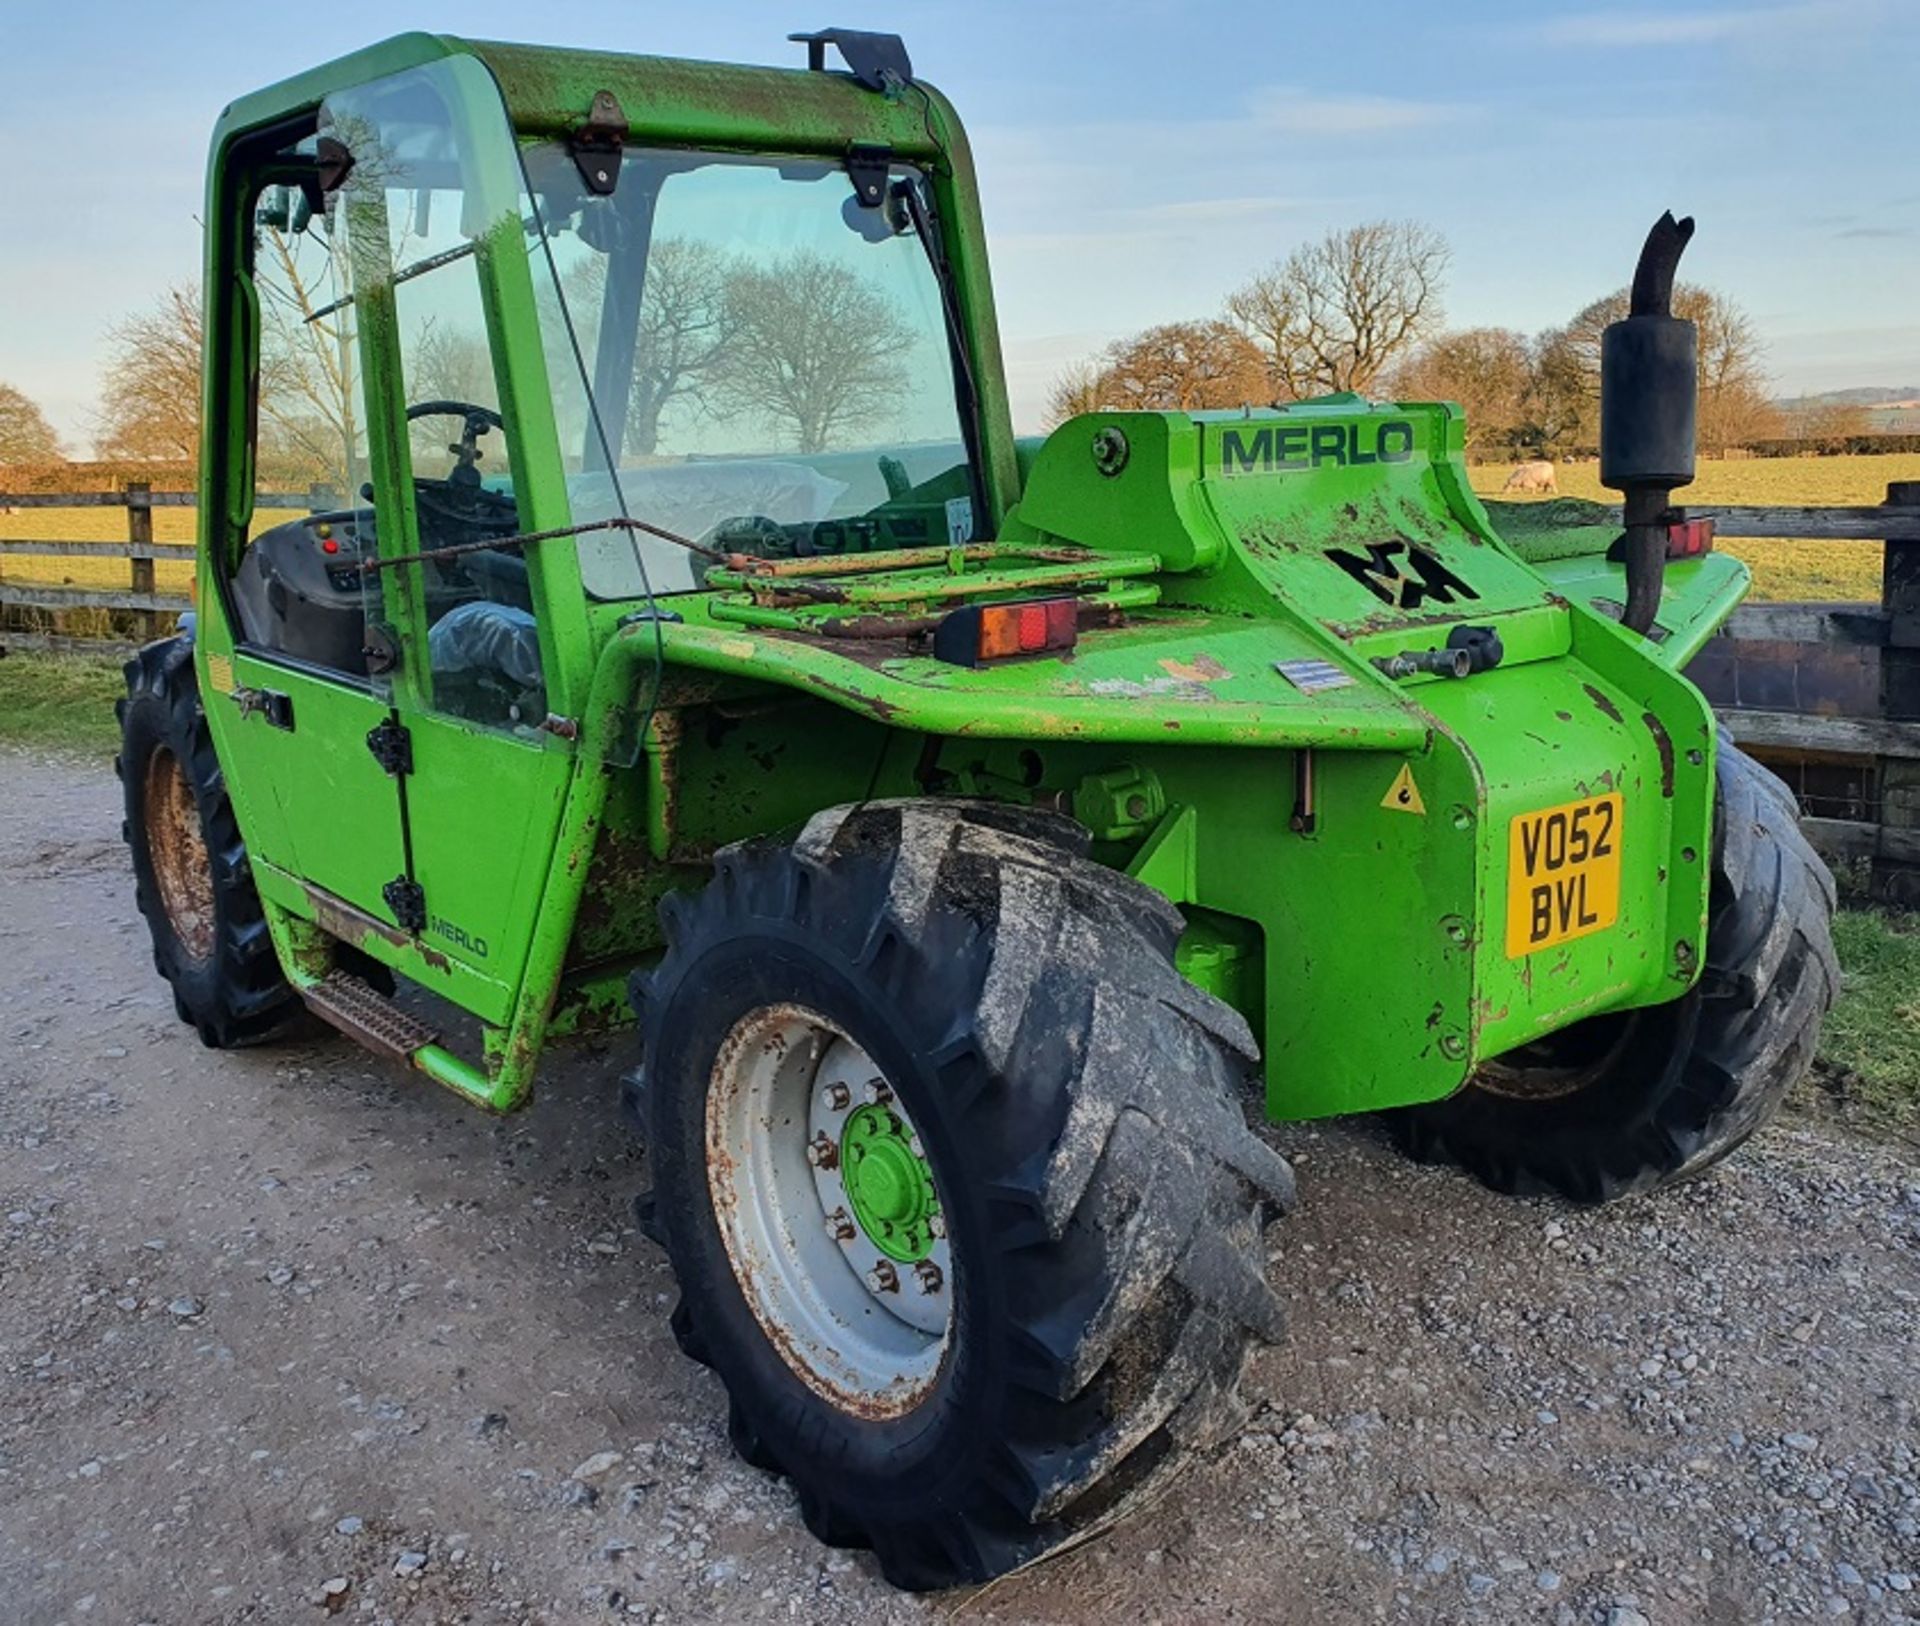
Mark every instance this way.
x=1781 y=570
x=61 y=702
x=1870 y=1051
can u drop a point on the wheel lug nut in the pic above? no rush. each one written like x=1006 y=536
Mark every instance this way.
x=839 y=1097
x=936 y=1226
x=839 y=1226
x=878 y=1092
x=821 y=1152
x=927 y=1274
x=883 y=1278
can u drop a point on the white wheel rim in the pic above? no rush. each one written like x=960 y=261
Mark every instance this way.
x=866 y=1331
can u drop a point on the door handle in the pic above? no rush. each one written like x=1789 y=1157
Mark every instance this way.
x=271 y=704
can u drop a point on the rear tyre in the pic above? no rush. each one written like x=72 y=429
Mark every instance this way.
x=953 y=1171
x=1638 y=1099
x=190 y=873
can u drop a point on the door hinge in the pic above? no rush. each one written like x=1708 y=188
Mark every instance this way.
x=598 y=144
x=867 y=167
x=408 y=901
x=392 y=747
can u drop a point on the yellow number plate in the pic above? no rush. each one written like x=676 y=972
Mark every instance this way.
x=1563 y=873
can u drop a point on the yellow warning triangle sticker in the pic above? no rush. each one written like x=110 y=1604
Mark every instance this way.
x=1403 y=795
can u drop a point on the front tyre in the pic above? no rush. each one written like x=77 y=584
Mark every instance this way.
x=1637 y=1099
x=953 y=1172
x=190 y=872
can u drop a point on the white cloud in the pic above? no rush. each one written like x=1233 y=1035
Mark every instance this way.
x=1173 y=146
x=1617 y=28
x=1284 y=109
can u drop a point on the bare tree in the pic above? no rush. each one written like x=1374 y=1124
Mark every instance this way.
x=309 y=394
x=25 y=435
x=1180 y=367
x=682 y=329
x=811 y=346
x=1563 y=400
x=1075 y=391
x=1336 y=314
x=684 y=333
x=1487 y=370
x=1734 y=403
x=150 y=390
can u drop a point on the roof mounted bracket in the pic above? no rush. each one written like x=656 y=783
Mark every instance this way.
x=878 y=61
x=596 y=146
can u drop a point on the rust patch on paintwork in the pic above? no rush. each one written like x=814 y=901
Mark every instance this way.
x=350 y=924
x=872 y=704
x=1602 y=703
x=615 y=878
x=1203 y=668
x=1664 y=745
x=886 y=560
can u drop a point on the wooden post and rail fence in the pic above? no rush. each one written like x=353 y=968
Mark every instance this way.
x=1812 y=689
x=153 y=611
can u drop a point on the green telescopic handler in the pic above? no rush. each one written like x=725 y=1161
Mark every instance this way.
x=677 y=637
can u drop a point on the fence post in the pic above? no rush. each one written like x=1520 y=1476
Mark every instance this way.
x=1899 y=778
x=139 y=496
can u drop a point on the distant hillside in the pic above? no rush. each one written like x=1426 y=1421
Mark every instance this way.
x=1868 y=396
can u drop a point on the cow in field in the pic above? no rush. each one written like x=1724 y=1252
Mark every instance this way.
x=1533 y=478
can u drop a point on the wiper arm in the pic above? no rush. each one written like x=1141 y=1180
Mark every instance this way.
x=419 y=268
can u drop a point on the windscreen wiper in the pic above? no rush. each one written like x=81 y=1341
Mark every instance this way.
x=419 y=268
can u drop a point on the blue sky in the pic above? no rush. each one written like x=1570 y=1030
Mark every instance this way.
x=1139 y=158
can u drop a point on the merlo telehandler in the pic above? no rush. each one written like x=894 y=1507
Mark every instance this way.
x=674 y=631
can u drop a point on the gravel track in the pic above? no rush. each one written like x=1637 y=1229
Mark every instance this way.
x=288 y=1334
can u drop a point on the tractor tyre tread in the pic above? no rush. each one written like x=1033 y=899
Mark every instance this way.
x=1098 y=1098
x=237 y=995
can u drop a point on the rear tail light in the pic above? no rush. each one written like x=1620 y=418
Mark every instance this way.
x=978 y=633
x=1689 y=538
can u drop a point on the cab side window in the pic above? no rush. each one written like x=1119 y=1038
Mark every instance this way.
x=298 y=588
x=482 y=640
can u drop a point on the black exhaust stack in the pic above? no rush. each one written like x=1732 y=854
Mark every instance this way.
x=1649 y=397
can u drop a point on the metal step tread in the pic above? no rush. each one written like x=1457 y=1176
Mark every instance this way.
x=362 y=1012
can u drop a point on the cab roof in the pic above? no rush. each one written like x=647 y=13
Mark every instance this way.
x=548 y=91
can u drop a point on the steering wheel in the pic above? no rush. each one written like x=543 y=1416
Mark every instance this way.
x=476 y=421
x=457 y=508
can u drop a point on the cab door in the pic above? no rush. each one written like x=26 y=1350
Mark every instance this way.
x=467 y=460
x=286 y=680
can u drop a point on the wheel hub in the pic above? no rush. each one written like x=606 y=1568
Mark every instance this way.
x=889 y=1186
x=829 y=1210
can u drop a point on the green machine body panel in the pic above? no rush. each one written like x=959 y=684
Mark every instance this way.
x=1254 y=718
